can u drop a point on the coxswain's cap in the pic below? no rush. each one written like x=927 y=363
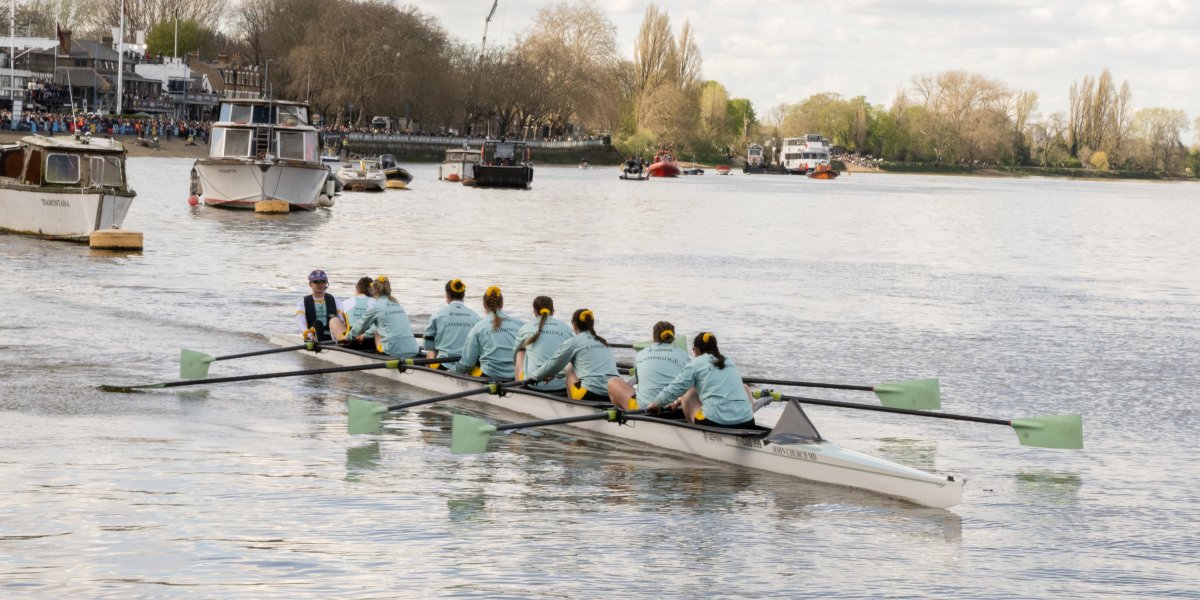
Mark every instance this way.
x=317 y=275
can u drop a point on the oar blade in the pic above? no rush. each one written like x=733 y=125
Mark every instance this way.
x=469 y=435
x=1056 y=431
x=914 y=394
x=193 y=365
x=364 y=416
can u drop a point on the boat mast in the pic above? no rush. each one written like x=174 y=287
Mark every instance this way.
x=121 y=63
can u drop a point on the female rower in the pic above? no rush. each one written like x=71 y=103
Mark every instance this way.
x=655 y=367
x=447 y=332
x=315 y=310
x=709 y=389
x=591 y=361
x=538 y=340
x=492 y=341
x=340 y=325
x=393 y=332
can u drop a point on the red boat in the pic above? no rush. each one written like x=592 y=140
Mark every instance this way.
x=664 y=165
x=723 y=169
x=824 y=172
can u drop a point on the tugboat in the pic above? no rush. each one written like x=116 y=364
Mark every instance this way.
x=504 y=164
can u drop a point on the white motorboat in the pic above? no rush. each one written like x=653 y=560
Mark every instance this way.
x=804 y=155
x=793 y=447
x=263 y=150
x=634 y=169
x=363 y=175
x=63 y=187
x=459 y=166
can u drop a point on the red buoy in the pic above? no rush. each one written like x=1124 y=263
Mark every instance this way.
x=193 y=200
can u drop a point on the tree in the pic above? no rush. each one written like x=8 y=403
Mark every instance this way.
x=192 y=36
x=142 y=15
x=1160 y=129
x=714 y=112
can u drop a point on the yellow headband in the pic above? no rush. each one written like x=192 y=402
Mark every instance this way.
x=544 y=311
x=457 y=286
x=382 y=279
x=665 y=334
x=585 y=316
x=707 y=337
x=492 y=291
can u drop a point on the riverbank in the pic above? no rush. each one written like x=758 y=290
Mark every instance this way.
x=1018 y=171
x=172 y=148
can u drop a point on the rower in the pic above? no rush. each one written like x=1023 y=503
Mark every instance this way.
x=538 y=340
x=655 y=367
x=393 y=332
x=447 y=332
x=491 y=342
x=591 y=361
x=315 y=310
x=340 y=325
x=709 y=389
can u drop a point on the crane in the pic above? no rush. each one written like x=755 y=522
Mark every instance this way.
x=486 y=22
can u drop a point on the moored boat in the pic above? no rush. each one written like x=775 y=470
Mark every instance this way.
x=723 y=169
x=362 y=175
x=63 y=187
x=262 y=150
x=397 y=177
x=803 y=155
x=459 y=166
x=664 y=165
x=504 y=164
x=793 y=447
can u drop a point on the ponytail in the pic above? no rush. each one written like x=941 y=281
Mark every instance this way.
x=584 y=320
x=493 y=301
x=382 y=287
x=363 y=286
x=543 y=306
x=664 y=332
x=706 y=343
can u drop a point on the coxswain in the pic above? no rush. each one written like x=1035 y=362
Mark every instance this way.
x=538 y=340
x=654 y=368
x=316 y=309
x=349 y=315
x=446 y=334
x=590 y=359
x=393 y=332
x=492 y=342
x=709 y=389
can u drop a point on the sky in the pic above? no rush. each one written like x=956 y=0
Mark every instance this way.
x=783 y=51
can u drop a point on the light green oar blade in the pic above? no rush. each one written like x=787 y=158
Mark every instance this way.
x=364 y=416
x=914 y=394
x=1057 y=431
x=469 y=435
x=193 y=365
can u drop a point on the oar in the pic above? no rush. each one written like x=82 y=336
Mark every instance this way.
x=1055 y=431
x=390 y=364
x=914 y=394
x=365 y=416
x=194 y=365
x=469 y=435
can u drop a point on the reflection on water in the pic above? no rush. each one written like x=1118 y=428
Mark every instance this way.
x=1023 y=296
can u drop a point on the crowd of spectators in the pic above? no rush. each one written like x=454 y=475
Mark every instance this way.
x=51 y=123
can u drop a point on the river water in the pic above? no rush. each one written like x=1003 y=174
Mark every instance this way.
x=1025 y=297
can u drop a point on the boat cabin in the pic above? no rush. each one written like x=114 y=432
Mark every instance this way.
x=260 y=129
x=71 y=163
x=754 y=155
x=505 y=154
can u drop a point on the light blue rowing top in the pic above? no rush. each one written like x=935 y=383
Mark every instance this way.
x=448 y=329
x=555 y=333
x=493 y=349
x=656 y=366
x=592 y=361
x=358 y=310
x=722 y=395
x=392 y=327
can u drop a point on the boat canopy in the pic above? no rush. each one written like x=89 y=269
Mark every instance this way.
x=66 y=167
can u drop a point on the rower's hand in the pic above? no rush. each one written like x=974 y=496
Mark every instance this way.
x=653 y=409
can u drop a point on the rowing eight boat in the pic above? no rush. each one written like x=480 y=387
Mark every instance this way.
x=795 y=449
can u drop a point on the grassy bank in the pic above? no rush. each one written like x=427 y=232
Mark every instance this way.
x=1022 y=171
